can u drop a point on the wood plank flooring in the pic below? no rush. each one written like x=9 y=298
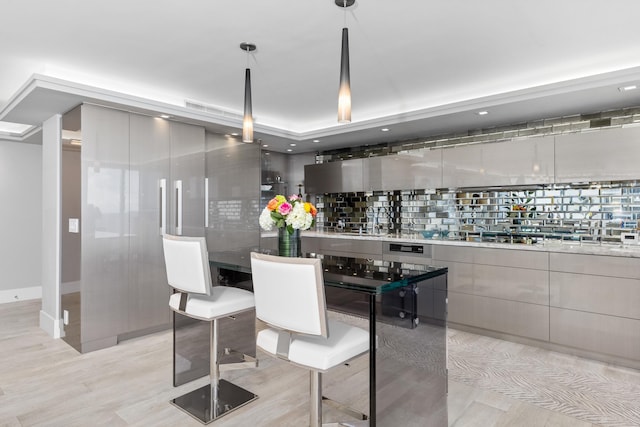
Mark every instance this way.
x=45 y=382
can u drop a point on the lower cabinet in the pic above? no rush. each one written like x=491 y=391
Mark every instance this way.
x=500 y=290
x=584 y=304
x=499 y=315
x=342 y=247
x=595 y=304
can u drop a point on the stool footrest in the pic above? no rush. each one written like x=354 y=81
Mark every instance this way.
x=249 y=363
x=198 y=404
x=345 y=409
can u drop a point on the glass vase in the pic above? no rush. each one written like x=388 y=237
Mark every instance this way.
x=289 y=244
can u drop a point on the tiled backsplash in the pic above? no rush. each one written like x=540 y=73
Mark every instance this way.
x=594 y=213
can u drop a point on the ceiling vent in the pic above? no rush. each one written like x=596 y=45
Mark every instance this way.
x=211 y=109
x=598 y=123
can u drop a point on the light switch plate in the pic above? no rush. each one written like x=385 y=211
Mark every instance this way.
x=74 y=225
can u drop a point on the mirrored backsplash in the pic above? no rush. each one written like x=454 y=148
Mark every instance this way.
x=596 y=213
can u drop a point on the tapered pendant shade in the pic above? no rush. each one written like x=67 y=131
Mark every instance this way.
x=344 y=93
x=247 y=121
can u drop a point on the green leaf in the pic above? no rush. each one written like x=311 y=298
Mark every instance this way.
x=290 y=229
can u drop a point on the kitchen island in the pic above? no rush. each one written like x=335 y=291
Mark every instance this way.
x=402 y=306
x=579 y=299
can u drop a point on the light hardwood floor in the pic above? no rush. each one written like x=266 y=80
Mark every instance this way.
x=45 y=382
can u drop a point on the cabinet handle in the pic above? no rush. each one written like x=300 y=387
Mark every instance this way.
x=179 y=207
x=206 y=202
x=163 y=207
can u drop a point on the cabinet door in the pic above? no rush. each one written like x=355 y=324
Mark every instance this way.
x=334 y=177
x=602 y=155
x=149 y=169
x=105 y=226
x=407 y=170
x=187 y=186
x=515 y=162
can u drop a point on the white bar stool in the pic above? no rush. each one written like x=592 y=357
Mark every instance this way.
x=187 y=264
x=289 y=297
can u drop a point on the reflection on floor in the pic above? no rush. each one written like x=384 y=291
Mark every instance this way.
x=491 y=383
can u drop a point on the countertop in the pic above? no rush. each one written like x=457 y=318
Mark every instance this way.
x=630 y=251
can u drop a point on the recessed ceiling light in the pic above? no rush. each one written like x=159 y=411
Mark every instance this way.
x=482 y=113
x=292 y=144
x=316 y=140
x=289 y=150
x=234 y=134
x=265 y=145
x=385 y=129
x=627 y=88
x=165 y=116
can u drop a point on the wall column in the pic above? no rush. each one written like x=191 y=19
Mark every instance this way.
x=50 y=315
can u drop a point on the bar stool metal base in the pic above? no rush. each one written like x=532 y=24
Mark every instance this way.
x=197 y=403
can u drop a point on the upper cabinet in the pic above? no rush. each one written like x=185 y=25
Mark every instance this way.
x=335 y=177
x=516 y=162
x=407 y=170
x=602 y=155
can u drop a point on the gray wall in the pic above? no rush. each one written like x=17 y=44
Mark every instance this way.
x=21 y=217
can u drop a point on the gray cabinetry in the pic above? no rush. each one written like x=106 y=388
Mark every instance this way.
x=515 y=162
x=186 y=216
x=105 y=226
x=334 y=177
x=501 y=290
x=150 y=152
x=233 y=172
x=601 y=155
x=594 y=303
x=407 y=170
x=345 y=247
x=141 y=177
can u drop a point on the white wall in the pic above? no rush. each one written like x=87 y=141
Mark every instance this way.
x=21 y=219
x=50 y=315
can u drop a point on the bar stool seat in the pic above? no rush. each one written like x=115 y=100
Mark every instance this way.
x=289 y=296
x=344 y=343
x=186 y=260
x=223 y=301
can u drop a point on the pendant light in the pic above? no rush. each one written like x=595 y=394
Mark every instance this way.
x=247 y=120
x=344 y=93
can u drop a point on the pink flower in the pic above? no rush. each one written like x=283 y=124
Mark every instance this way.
x=293 y=197
x=284 y=208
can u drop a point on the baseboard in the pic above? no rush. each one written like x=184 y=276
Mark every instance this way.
x=20 y=294
x=51 y=326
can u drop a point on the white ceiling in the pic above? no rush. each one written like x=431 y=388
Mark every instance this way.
x=418 y=67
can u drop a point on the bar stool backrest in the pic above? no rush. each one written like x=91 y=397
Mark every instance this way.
x=289 y=293
x=187 y=262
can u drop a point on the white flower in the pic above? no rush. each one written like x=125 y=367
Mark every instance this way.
x=298 y=218
x=266 y=222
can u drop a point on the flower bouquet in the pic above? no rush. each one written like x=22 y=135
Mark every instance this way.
x=292 y=214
